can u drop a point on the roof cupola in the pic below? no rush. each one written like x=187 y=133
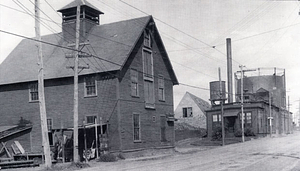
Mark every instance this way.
x=89 y=17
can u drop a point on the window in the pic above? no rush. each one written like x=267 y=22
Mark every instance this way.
x=90 y=86
x=217 y=118
x=187 y=112
x=50 y=134
x=147 y=38
x=163 y=129
x=247 y=119
x=136 y=128
x=134 y=83
x=149 y=94
x=147 y=64
x=33 y=92
x=49 y=124
x=90 y=119
x=148 y=79
x=161 y=88
x=246 y=98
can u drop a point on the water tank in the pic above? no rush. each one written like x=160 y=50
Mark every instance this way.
x=214 y=87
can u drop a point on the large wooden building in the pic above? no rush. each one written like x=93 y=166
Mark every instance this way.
x=128 y=82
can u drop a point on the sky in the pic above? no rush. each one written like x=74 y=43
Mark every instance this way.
x=264 y=34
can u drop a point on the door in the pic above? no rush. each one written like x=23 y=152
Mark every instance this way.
x=163 y=128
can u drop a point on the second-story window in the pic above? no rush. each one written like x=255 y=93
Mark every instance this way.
x=147 y=64
x=90 y=86
x=161 y=88
x=33 y=92
x=148 y=79
x=134 y=83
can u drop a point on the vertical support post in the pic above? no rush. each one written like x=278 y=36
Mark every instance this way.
x=85 y=144
x=43 y=115
x=297 y=118
x=63 y=145
x=289 y=116
x=96 y=136
x=242 y=101
x=75 y=137
x=222 y=110
x=270 y=108
x=284 y=124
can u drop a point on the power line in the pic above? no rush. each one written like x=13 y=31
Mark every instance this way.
x=25 y=13
x=184 y=84
x=239 y=24
x=262 y=33
x=175 y=40
x=25 y=9
x=213 y=47
x=205 y=55
x=273 y=37
x=169 y=25
x=192 y=69
x=52 y=8
x=49 y=18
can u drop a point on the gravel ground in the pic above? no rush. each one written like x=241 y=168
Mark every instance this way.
x=280 y=153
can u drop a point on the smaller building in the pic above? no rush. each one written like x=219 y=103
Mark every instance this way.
x=264 y=100
x=191 y=109
x=256 y=118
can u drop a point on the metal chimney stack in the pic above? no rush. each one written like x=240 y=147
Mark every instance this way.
x=229 y=71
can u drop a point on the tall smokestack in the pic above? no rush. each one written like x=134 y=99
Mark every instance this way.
x=229 y=70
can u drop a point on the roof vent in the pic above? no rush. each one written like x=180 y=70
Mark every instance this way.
x=89 y=17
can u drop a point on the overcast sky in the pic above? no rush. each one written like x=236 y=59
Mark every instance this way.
x=263 y=33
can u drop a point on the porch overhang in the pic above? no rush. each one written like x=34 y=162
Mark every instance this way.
x=230 y=114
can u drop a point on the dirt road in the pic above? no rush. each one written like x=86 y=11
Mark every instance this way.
x=265 y=154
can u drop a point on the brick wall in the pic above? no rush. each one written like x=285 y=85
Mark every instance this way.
x=150 y=118
x=14 y=102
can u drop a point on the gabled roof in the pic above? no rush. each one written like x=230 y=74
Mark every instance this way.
x=202 y=104
x=113 y=43
x=261 y=90
x=75 y=3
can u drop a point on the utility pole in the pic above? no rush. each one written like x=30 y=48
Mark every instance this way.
x=298 y=113
x=76 y=72
x=75 y=133
x=242 y=97
x=270 y=117
x=242 y=101
x=43 y=115
x=289 y=116
x=222 y=109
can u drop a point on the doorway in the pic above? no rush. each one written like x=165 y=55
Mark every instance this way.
x=230 y=122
